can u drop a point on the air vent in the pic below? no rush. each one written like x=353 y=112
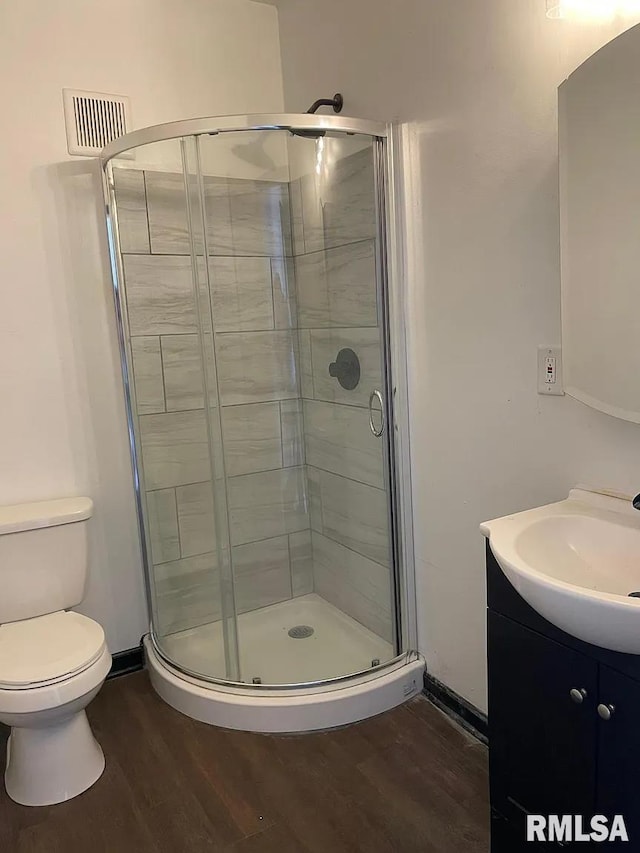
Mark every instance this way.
x=93 y=120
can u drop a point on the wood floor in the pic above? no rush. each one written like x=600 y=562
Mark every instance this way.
x=408 y=780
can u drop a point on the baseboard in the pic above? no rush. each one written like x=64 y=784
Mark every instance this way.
x=130 y=660
x=463 y=712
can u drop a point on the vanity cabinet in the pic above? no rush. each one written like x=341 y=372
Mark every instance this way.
x=618 y=759
x=550 y=750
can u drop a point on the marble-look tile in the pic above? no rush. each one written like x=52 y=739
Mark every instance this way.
x=350 y=209
x=256 y=367
x=167 y=207
x=337 y=287
x=260 y=218
x=268 y=504
x=176 y=574
x=284 y=293
x=252 y=438
x=241 y=295
x=131 y=203
x=312 y=290
x=175 y=449
x=243 y=217
x=163 y=525
x=325 y=345
x=187 y=593
x=292 y=433
x=357 y=586
x=313 y=191
x=305 y=367
x=301 y=557
x=183 y=379
x=355 y=515
x=314 y=496
x=147 y=374
x=297 y=229
x=338 y=439
x=159 y=293
x=217 y=212
x=195 y=519
x=340 y=208
x=261 y=573
x=351 y=281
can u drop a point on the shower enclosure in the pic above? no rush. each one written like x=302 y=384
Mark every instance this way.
x=251 y=271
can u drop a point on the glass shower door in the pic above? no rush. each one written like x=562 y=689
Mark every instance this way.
x=172 y=401
x=294 y=257
x=254 y=312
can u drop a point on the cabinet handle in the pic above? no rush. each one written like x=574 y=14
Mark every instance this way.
x=578 y=695
x=605 y=712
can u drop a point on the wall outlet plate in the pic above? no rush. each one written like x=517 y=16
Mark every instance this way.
x=550 y=371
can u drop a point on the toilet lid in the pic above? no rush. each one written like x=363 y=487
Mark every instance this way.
x=47 y=648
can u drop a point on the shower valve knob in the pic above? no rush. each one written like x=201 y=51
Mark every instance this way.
x=346 y=369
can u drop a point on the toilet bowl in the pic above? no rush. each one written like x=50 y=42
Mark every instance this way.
x=51 y=667
x=53 y=661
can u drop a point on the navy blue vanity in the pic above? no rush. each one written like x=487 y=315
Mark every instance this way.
x=564 y=724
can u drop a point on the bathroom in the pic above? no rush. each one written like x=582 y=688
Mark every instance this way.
x=472 y=90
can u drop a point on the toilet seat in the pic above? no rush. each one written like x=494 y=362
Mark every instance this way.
x=45 y=697
x=41 y=652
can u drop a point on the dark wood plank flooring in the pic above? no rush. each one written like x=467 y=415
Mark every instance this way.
x=406 y=780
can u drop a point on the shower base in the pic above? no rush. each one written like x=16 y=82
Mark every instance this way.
x=338 y=645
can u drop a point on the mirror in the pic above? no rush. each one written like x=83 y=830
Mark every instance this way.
x=599 y=130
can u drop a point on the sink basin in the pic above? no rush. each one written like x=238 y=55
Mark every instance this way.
x=576 y=563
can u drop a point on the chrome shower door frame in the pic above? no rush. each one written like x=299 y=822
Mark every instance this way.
x=391 y=288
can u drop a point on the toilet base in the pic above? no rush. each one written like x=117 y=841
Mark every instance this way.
x=54 y=763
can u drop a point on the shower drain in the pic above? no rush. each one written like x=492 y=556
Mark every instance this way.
x=300 y=632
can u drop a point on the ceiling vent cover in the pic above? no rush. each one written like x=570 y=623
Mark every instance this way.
x=94 y=119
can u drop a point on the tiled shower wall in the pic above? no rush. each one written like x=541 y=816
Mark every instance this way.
x=334 y=229
x=307 y=504
x=261 y=413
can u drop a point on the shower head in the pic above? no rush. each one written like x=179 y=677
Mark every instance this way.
x=309 y=134
x=337 y=102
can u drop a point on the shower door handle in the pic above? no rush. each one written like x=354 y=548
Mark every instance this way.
x=377 y=431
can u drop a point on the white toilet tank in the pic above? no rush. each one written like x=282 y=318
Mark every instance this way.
x=43 y=557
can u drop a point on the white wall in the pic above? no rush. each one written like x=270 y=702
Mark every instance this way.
x=479 y=81
x=62 y=424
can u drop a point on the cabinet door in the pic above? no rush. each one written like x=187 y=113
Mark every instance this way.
x=618 y=790
x=542 y=744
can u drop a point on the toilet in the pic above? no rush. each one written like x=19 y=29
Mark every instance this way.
x=52 y=661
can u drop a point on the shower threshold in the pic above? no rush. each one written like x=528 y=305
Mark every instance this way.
x=286 y=710
x=337 y=646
